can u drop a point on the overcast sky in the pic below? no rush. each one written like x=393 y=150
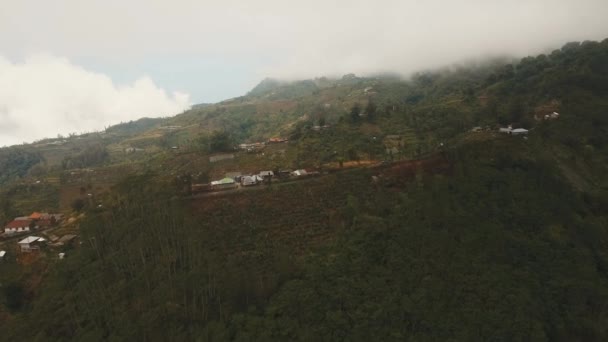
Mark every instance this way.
x=75 y=66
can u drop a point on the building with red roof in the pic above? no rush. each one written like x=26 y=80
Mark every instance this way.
x=17 y=226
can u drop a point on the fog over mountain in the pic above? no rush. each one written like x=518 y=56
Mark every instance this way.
x=63 y=65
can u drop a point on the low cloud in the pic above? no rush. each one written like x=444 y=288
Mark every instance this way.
x=410 y=36
x=46 y=95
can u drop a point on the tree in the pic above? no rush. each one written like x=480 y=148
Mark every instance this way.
x=221 y=141
x=38 y=170
x=468 y=94
x=203 y=143
x=370 y=110
x=516 y=110
x=14 y=295
x=90 y=156
x=78 y=204
x=352 y=154
x=355 y=111
x=183 y=183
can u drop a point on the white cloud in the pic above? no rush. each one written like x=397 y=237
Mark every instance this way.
x=301 y=39
x=47 y=95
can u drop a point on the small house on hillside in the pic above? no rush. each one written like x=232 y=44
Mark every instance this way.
x=266 y=174
x=519 y=131
x=249 y=180
x=31 y=243
x=133 y=150
x=17 y=226
x=299 y=173
x=552 y=116
x=254 y=147
x=2 y=254
x=506 y=130
x=225 y=183
x=276 y=140
x=36 y=215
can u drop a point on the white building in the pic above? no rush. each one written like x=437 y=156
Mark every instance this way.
x=552 y=116
x=17 y=226
x=31 y=243
x=300 y=172
x=519 y=131
x=505 y=130
x=248 y=180
x=265 y=174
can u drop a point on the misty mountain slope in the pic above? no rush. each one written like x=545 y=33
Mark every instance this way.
x=460 y=234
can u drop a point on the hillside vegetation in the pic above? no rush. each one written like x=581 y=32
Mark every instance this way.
x=416 y=228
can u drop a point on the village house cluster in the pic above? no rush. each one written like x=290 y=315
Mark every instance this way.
x=518 y=131
x=33 y=222
x=234 y=180
x=510 y=130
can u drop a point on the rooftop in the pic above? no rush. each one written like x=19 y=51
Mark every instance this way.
x=18 y=224
x=31 y=239
x=36 y=215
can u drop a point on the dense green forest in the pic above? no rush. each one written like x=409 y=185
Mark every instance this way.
x=459 y=235
x=494 y=248
x=15 y=162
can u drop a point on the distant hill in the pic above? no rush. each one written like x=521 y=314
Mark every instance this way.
x=275 y=89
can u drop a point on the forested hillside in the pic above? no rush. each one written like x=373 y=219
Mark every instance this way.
x=491 y=248
x=422 y=222
x=15 y=162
